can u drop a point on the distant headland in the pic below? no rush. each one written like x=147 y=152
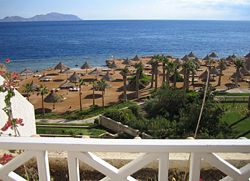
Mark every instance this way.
x=43 y=17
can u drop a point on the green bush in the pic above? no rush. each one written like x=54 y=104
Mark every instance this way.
x=143 y=82
x=162 y=128
x=135 y=110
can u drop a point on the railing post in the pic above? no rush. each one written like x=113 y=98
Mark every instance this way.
x=194 y=171
x=163 y=167
x=43 y=165
x=73 y=167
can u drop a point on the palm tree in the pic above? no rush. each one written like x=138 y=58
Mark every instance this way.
x=139 y=70
x=193 y=69
x=170 y=67
x=102 y=85
x=43 y=91
x=209 y=64
x=221 y=66
x=152 y=62
x=164 y=61
x=176 y=66
x=124 y=72
x=94 y=86
x=80 y=84
x=238 y=63
x=28 y=89
x=188 y=66
x=157 y=58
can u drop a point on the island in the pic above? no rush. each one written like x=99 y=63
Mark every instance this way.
x=43 y=17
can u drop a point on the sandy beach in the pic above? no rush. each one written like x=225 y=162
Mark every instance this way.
x=70 y=102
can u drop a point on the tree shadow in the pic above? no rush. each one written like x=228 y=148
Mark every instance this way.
x=90 y=96
x=40 y=110
x=58 y=80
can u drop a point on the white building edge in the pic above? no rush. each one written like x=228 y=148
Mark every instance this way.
x=23 y=109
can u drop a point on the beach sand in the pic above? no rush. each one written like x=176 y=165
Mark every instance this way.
x=112 y=94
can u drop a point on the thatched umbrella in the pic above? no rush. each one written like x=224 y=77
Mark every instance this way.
x=244 y=71
x=206 y=58
x=136 y=58
x=178 y=61
x=60 y=66
x=213 y=55
x=185 y=58
x=214 y=71
x=108 y=77
x=26 y=72
x=33 y=86
x=191 y=55
x=240 y=75
x=113 y=65
x=203 y=76
x=126 y=62
x=223 y=66
x=86 y=66
x=230 y=58
x=53 y=97
x=234 y=56
x=74 y=78
x=95 y=72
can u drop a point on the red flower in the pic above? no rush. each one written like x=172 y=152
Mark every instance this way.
x=7 y=60
x=19 y=121
x=5 y=158
x=13 y=123
x=2 y=72
x=14 y=75
x=6 y=126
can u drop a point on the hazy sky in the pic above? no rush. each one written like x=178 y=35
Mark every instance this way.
x=132 y=9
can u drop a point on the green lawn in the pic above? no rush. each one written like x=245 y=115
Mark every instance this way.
x=233 y=113
x=231 y=94
x=65 y=124
x=93 y=132
x=87 y=113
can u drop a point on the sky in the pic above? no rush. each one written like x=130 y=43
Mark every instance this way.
x=132 y=9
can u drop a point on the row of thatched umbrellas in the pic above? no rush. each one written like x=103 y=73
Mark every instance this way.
x=74 y=78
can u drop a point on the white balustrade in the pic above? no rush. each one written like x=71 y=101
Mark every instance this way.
x=82 y=150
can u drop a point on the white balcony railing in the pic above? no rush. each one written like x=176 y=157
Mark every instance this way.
x=82 y=150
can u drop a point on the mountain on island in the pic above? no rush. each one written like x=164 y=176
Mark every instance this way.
x=43 y=17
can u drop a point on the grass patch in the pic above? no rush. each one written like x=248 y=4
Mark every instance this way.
x=65 y=124
x=94 y=132
x=87 y=113
x=231 y=94
x=233 y=113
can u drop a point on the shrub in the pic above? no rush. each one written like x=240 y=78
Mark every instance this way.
x=135 y=110
x=162 y=128
x=166 y=103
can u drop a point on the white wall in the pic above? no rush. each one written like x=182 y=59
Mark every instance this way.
x=22 y=108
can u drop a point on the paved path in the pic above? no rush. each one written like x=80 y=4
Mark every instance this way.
x=65 y=121
x=238 y=90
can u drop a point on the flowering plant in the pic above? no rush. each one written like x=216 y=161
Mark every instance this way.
x=8 y=88
x=5 y=158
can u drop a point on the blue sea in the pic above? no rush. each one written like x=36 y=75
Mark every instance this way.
x=38 y=45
